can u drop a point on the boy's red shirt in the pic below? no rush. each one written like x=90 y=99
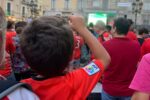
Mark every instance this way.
x=75 y=85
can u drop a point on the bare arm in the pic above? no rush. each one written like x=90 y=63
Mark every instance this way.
x=97 y=49
x=140 y=96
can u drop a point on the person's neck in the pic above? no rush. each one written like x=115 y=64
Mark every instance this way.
x=140 y=36
x=101 y=32
x=119 y=36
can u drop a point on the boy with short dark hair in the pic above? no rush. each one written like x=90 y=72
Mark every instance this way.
x=47 y=44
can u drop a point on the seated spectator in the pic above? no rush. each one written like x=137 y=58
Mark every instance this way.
x=47 y=44
x=141 y=80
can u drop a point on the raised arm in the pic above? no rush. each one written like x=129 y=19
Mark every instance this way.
x=97 y=49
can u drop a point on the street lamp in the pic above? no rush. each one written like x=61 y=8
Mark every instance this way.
x=33 y=7
x=137 y=8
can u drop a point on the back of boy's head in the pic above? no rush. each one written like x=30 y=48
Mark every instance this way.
x=143 y=31
x=122 y=26
x=47 y=44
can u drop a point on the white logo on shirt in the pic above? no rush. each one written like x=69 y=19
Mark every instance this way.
x=91 y=68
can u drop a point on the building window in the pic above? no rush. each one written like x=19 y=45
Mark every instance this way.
x=146 y=6
x=53 y=4
x=105 y=4
x=146 y=22
x=113 y=4
x=67 y=4
x=96 y=3
x=23 y=11
x=8 y=8
x=80 y=4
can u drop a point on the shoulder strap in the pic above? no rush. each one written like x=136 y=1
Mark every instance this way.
x=7 y=86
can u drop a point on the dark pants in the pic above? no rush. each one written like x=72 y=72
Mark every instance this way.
x=94 y=96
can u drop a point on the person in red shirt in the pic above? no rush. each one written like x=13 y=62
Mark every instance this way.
x=131 y=34
x=99 y=28
x=107 y=34
x=125 y=54
x=78 y=43
x=145 y=47
x=9 y=35
x=47 y=45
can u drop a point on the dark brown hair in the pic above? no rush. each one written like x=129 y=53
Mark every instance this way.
x=47 y=44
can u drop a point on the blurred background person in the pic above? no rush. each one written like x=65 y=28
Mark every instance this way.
x=19 y=64
x=131 y=34
x=9 y=34
x=142 y=34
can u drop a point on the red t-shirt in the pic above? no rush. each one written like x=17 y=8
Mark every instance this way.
x=75 y=85
x=145 y=47
x=125 y=54
x=105 y=37
x=6 y=70
x=9 y=41
x=131 y=35
x=78 y=42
